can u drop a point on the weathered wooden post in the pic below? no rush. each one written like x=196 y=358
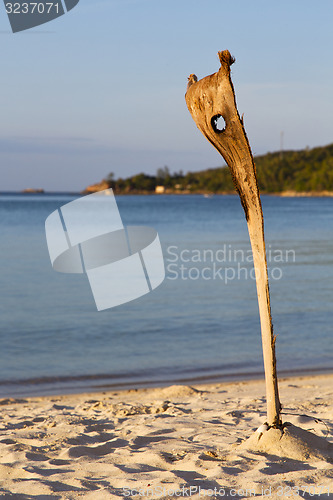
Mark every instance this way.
x=209 y=101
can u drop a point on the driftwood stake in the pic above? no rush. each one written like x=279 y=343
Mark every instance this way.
x=210 y=101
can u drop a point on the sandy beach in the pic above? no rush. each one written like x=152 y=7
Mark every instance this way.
x=172 y=442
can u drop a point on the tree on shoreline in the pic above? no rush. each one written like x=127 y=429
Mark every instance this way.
x=305 y=170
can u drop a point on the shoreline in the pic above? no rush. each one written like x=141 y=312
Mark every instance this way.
x=162 y=442
x=208 y=194
x=198 y=386
x=99 y=383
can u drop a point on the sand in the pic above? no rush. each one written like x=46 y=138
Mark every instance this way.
x=179 y=441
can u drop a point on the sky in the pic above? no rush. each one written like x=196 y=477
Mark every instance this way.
x=101 y=89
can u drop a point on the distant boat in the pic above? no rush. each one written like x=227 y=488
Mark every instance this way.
x=208 y=195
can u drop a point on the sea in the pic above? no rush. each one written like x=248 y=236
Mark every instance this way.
x=200 y=325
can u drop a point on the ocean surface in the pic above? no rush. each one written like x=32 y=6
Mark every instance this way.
x=201 y=324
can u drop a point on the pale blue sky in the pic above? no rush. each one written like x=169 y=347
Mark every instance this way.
x=101 y=88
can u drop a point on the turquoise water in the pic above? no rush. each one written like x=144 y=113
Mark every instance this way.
x=201 y=324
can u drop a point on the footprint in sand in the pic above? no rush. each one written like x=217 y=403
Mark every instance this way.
x=96 y=451
x=36 y=457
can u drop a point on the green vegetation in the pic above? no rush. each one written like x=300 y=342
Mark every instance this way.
x=305 y=170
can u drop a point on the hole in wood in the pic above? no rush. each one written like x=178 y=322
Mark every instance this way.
x=218 y=123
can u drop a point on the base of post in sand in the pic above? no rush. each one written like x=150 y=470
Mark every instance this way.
x=291 y=442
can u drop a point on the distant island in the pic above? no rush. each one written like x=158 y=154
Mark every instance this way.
x=289 y=173
x=33 y=191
